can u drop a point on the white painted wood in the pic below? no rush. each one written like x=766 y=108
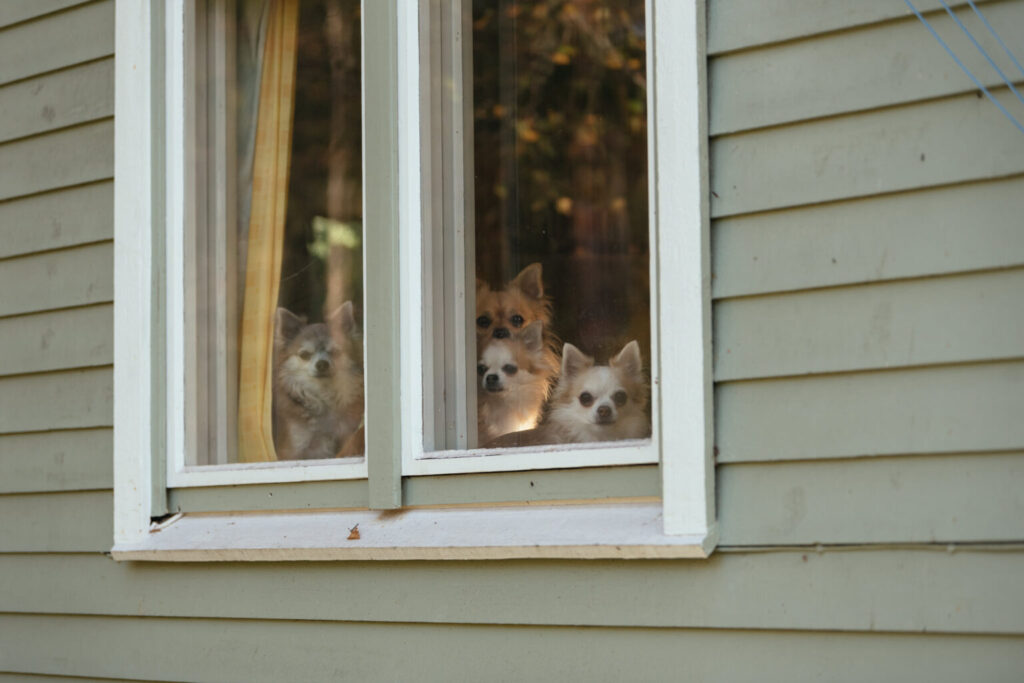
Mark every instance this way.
x=448 y=237
x=568 y=531
x=681 y=230
x=135 y=295
x=267 y=472
x=414 y=208
x=629 y=452
x=176 y=162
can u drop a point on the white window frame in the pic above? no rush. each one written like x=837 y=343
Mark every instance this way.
x=149 y=347
x=180 y=210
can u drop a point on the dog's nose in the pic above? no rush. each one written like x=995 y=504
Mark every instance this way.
x=322 y=365
x=604 y=413
x=501 y=333
x=491 y=381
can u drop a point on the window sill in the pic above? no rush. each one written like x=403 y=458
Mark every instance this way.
x=624 y=531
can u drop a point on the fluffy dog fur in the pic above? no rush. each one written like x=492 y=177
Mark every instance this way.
x=502 y=313
x=598 y=402
x=515 y=379
x=318 y=385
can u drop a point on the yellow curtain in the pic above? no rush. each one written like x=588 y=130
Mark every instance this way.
x=271 y=159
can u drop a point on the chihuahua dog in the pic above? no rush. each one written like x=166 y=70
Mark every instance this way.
x=318 y=385
x=515 y=378
x=502 y=313
x=598 y=402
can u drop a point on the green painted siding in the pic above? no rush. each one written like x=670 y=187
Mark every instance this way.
x=868 y=274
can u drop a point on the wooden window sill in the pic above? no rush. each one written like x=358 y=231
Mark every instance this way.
x=625 y=531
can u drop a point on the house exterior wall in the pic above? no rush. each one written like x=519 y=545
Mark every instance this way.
x=868 y=277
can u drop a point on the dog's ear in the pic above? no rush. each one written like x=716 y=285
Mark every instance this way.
x=529 y=281
x=628 y=359
x=481 y=287
x=343 y=319
x=574 y=361
x=532 y=336
x=287 y=325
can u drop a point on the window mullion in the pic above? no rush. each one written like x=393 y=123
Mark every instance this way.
x=381 y=268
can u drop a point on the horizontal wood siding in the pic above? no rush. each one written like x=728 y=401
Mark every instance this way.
x=57 y=100
x=15 y=11
x=893 y=236
x=883 y=590
x=976 y=317
x=57 y=279
x=936 y=499
x=948 y=141
x=868 y=274
x=275 y=651
x=62 y=218
x=957 y=408
x=58 y=400
x=71 y=156
x=68 y=338
x=745 y=24
x=857 y=70
x=79 y=522
x=67 y=460
x=80 y=34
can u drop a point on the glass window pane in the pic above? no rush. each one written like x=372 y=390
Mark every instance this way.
x=277 y=369
x=559 y=108
x=561 y=226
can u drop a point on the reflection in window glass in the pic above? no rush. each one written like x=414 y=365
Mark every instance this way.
x=278 y=366
x=561 y=221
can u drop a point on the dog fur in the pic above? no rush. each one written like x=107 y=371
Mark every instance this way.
x=598 y=402
x=502 y=313
x=515 y=380
x=318 y=385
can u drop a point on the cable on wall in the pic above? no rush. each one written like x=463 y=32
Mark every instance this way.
x=964 y=68
x=982 y=50
x=996 y=36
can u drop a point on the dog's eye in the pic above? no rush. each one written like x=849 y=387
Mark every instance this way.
x=620 y=398
x=516 y=320
x=305 y=355
x=586 y=399
x=509 y=369
x=481 y=369
x=483 y=321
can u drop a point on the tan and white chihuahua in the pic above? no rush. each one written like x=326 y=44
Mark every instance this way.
x=318 y=385
x=515 y=379
x=598 y=402
x=502 y=313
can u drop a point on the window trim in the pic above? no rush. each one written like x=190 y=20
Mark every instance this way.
x=678 y=148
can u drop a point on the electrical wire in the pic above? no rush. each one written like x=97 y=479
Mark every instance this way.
x=982 y=50
x=995 y=35
x=967 y=71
